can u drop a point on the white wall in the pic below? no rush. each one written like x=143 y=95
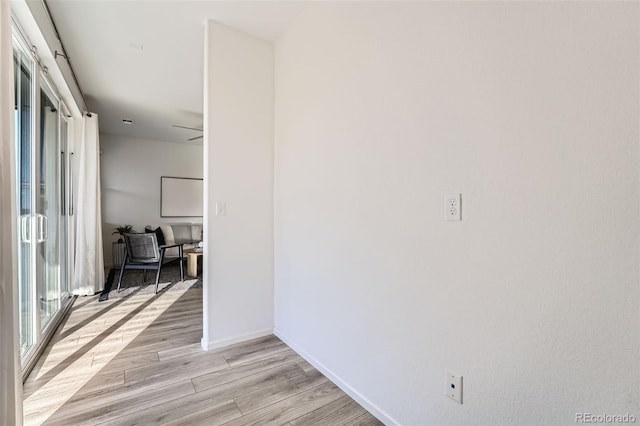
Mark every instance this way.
x=238 y=270
x=530 y=110
x=130 y=177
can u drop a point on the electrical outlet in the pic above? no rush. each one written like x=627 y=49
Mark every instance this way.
x=221 y=209
x=453 y=386
x=452 y=207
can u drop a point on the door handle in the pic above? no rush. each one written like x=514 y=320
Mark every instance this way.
x=63 y=184
x=25 y=229
x=42 y=228
x=45 y=228
x=71 y=184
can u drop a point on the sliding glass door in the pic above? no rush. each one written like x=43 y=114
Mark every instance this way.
x=48 y=210
x=24 y=107
x=41 y=177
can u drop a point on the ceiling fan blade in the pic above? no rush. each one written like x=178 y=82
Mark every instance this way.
x=193 y=139
x=185 y=127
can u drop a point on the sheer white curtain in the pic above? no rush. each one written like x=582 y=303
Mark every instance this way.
x=89 y=266
x=10 y=378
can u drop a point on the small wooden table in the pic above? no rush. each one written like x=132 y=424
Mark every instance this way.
x=192 y=262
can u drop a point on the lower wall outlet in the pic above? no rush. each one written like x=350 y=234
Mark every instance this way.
x=453 y=386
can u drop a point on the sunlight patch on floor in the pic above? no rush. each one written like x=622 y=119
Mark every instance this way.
x=66 y=375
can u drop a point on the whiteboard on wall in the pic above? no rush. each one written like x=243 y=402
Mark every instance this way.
x=180 y=197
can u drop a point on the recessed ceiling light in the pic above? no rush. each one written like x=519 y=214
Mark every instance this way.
x=127 y=121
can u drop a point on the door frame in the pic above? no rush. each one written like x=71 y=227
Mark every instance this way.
x=40 y=82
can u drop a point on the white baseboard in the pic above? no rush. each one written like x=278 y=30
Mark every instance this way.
x=357 y=396
x=215 y=344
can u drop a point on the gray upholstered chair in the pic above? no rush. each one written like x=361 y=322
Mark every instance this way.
x=143 y=252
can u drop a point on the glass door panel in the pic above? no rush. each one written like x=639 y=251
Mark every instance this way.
x=48 y=211
x=24 y=200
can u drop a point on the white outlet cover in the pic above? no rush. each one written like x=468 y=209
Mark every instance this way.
x=453 y=386
x=453 y=207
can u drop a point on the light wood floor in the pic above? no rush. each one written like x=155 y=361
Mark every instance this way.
x=139 y=361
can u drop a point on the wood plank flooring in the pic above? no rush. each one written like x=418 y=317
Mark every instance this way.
x=138 y=361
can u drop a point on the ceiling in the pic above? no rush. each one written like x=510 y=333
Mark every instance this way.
x=144 y=60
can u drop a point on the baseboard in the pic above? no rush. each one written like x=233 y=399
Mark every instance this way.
x=215 y=344
x=348 y=389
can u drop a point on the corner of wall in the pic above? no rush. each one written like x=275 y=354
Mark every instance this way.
x=209 y=345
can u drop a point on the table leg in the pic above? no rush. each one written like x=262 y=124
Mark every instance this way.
x=192 y=265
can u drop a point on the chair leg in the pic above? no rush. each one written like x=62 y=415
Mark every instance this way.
x=159 y=269
x=145 y=275
x=122 y=268
x=181 y=260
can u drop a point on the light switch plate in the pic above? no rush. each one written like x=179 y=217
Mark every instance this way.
x=453 y=386
x=452 y=207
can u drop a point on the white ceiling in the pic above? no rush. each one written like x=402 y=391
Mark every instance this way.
x=144 y=60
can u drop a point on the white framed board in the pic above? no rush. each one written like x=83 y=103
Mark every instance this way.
x=180 y=197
